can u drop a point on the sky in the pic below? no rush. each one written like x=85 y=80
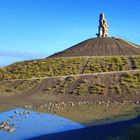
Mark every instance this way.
x=32 y=29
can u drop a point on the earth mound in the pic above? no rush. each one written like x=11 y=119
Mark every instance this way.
x=104 y=46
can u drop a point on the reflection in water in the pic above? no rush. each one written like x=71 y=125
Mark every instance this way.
x=23 y=124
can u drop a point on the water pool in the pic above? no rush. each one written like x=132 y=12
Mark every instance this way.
x=29 y=124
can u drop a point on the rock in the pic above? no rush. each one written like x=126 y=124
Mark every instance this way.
x=80 y=103
x=12 y=117
x=28 y=112
x=14 y=124
x=50 y=103
x=27 y=106
x=12 y=129
x=72 y=104
x=103 y=102
x=62 y=103
x=20 y=113
x=137 y=102
x=16 y=112
x=24 y=112
x=7 y=128
x=108 y=102
x=1 y=127
x=99 y=103
x=4 y=126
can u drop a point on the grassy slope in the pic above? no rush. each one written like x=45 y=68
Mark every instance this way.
x=66 y=66
x=113 y=85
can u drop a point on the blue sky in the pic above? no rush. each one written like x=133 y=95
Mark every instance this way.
x=32 y=29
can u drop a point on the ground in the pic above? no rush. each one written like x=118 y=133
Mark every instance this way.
x=82 y=89
x=80 y=108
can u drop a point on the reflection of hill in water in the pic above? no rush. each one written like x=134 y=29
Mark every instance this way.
x=99 y=132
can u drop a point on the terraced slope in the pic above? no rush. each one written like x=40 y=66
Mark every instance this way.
x=101 y=47
x=111 y=86
x=68 y=66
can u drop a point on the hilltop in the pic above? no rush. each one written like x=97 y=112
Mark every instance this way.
x=104 y=46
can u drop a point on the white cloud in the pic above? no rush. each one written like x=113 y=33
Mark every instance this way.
x=22 y=55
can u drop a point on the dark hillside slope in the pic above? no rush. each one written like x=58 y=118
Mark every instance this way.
x=100 y=47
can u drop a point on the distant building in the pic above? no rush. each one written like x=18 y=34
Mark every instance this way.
x=103 y=27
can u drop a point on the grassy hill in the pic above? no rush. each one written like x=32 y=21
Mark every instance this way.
x=68 y=66
x=79 y=88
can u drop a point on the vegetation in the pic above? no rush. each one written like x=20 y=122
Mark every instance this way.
x=120 y=84
x=117 y=90
x=106 y=64
x=65 y=66
x=98 y=89
x=131 y=82
x=43 y=68
x=137 y=61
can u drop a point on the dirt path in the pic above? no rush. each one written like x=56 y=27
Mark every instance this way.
x=101 y=73
x=84 y=66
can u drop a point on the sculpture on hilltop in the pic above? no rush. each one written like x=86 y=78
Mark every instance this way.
x=103 y=26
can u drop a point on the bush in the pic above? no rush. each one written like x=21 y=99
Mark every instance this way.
x=65 y=66
x=118 y=90
x=98 y=89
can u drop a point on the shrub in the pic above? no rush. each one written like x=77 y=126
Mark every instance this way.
x=118 y=90
x=98 y=89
